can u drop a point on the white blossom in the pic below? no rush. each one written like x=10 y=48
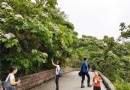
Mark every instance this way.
x=2 y=20
x=34 y=51
x=4 y=3
x=9 y=7
x=6 y=6
x=45 y=54
x=56 y=28
x=33 y=1
x=45 y=14
x=18 y=16
x=9 y=35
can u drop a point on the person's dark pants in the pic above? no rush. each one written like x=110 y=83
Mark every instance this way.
x=57 y=82
x=83 y=77
x=96 y=88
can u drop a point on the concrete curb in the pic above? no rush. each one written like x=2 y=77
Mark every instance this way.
x=107 y=82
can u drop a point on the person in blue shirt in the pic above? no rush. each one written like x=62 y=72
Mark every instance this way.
x=84 y=70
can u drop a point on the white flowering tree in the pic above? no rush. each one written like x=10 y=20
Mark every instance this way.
x=32 y=33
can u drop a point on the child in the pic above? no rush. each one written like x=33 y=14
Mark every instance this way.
x=96 y=81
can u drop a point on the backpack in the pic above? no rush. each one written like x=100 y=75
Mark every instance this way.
x=8 y=86
x=60 y=73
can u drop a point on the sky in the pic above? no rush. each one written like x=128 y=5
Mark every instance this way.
x=97 y=17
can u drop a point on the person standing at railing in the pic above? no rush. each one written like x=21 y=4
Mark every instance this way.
x=96 y=81
x=10 y=82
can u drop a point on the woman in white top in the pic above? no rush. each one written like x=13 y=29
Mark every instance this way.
x=57 y=73
x=11 y=79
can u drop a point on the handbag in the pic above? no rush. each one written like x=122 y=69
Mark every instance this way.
x=8 y=86
x=80 y=73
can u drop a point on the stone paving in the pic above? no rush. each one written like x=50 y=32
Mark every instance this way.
x=70 y=81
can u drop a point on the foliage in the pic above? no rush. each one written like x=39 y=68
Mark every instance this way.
x=125 y=30
x=33 y=35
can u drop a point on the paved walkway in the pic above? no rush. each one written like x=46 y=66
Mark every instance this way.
x=70 y=81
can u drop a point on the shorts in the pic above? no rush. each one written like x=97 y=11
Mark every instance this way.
x=96 y=88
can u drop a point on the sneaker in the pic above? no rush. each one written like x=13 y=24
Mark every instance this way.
x=89 y=85
x=82 y=86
